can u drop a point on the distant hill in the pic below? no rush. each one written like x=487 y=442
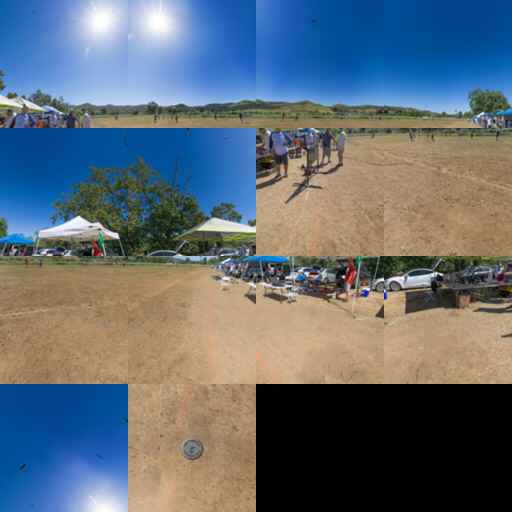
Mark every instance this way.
x=261 y=107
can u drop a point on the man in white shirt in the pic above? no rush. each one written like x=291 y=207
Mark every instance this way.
x=87 y=122
x=279 y=142
x=341 y=147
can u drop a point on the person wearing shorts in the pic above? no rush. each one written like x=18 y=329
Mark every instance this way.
x=340 y=147
x=350 y=277
x=279 y=142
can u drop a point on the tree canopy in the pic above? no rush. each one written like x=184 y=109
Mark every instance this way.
x=487 y=101
x=146 y=210
x=2 y=84
x=226 y=211
x=3 y=227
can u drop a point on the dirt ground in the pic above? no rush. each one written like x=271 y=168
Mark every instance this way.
x=341 y=213
x=314 y=341
x=175 y=325
x=123 y=324
x=223 y=418
x=436 y=343
x=146 y=121
x=443 y=197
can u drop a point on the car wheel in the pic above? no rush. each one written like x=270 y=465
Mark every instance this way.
x=379 y=288
x=394 y=286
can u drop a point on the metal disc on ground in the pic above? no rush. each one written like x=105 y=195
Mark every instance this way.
x=193 y=449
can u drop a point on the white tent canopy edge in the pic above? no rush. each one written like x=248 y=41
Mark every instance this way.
x=78 y=229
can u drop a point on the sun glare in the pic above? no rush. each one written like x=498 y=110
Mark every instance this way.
x=158 y=22
x=101 y=20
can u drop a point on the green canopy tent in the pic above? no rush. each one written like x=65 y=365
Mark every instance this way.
x=218 y=230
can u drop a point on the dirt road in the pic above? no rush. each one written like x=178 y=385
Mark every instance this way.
x=341 y=213
x=437 y=344
x=223 y=418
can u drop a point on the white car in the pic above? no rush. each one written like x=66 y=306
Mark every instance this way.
x=417 y=278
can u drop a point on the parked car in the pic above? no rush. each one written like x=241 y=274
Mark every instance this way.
x=417 y=278
x=162 y=254
x=478 y=274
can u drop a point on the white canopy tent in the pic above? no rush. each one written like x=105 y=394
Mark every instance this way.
x=26 y=103
x=7 y=103
x=78 y=229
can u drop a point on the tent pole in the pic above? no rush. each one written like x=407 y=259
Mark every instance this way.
x=122 y=249
x=37 y=245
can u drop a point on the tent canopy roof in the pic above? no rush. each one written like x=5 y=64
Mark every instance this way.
x=7 y=103
x=49 y=108
x=216 y=229
x=268 y=259
x=78 y=229
x=31 y=106
x=16 y=239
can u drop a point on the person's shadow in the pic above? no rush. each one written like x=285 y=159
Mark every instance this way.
x=269 y=183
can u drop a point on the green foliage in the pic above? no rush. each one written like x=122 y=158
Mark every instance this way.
x=252 y=222
x=152 y=107
x=487 y=101
x=42 y=98
x=137 y=203
x=2 y=83
x=3 y=227
x=226 y=211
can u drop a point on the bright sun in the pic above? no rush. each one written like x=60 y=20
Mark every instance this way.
x=158 y=22
x=101 y=20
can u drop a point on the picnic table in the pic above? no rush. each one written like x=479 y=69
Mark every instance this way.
x=463 y=292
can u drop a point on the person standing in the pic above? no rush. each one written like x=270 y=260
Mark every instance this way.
x=24 y=120
x=71 y=120
x=9 y=119
x=341 y=147
x=311 y=143
x=327 y=140
x=87 y=121
x=279 y=142
x=350 y=277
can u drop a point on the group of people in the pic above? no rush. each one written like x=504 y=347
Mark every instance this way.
x=26 y=119
x=279 y=142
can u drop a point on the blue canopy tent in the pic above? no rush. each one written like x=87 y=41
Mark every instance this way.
x=268 y=259
x=15 y=239
x=51 y=110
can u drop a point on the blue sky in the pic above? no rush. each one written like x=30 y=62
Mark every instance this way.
x=426 y=54
x=220 y=164
x=207 y=55
x=59 y=431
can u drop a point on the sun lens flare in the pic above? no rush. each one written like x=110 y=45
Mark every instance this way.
x=101 y=20
x=158 y=22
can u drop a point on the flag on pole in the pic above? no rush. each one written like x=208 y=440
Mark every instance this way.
x=101 y=242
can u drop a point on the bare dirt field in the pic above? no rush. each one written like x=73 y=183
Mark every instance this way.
x=314 y=341
x=342 y=212
x=428 y=341
x=443 y=197
x=223 y=418
x=159 y=325
x=123 y=324
x=147 y=121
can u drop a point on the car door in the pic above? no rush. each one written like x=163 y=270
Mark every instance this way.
x=418 y=279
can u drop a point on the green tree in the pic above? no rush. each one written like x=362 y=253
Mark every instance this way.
x=226 y=211
x=12 y=95
x=137 y=202
x=487 y=101
x=252 y=222
x=3 y=227
x=152 y=107
x=2 y=83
